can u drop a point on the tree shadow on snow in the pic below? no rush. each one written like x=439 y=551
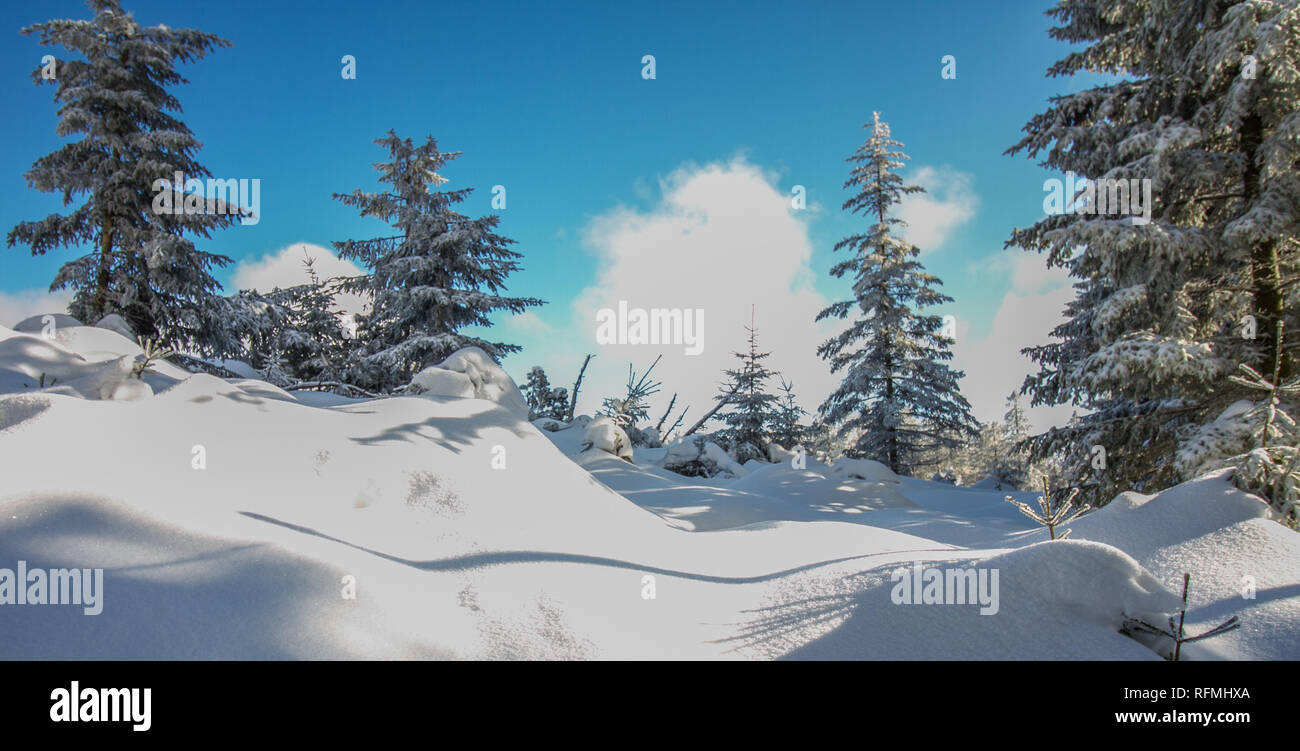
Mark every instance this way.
x=167 y=594
x=504 y=557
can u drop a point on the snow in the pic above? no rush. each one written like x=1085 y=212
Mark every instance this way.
x=719 y=456
x=115 y=322
x=991 y=483
x=36 y=324
x=471 y=373
x=228 y=516
x=778 y=453
x=863 y=469
x=604 y=434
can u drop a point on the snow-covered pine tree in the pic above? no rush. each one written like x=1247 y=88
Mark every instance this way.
x=314 y=341
x=751 y=409
x=1015 y=424
x=1259 y=440
x=634 y=405
x=898 y=393
x=256 y=320
x=1206 y=106
x=439 y=273
x=275 y=369
x=543 y=399
x=786 y=427
x=1010 y=463
x=293 y=332
x=537 y=391
x=141 y=265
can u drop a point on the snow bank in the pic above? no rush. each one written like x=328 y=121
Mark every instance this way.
x=471 y=373
x=863 y=469
x=37 y=324
x=1241 y=563
x=604 y=434
x=719 y=456
x=115 y=322
x=229 y=515
x=992 y=483
x=779 y=454
x=1056 y=600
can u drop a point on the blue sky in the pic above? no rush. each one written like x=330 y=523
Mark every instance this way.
x=547 y=99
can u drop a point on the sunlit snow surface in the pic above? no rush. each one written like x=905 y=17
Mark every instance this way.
x=454 y=557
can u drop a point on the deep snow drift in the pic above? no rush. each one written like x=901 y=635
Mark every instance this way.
x=232 y=517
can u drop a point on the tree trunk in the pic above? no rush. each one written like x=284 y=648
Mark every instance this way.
x=666 y=413
x=721 y=402
x=573 y=398
x=102 y=276
x=1265 y=269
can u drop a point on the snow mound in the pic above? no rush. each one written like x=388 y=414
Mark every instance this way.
x=992 y=483
x=719 y=456
x=863 y=469
x=681 y=451
x=435 y=381
x=36 y=324
x=695 y=456
x=471 y=373
x=96 y=344
x=238 y=367
x=1144 y=525
x=115 y=322
x=1058 y=600
x=1241 y=562
x=780 y=454
x=106 y=380
x=1097 y=581
x=604 y=434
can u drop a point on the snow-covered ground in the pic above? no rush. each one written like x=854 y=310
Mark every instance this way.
x=228 y=515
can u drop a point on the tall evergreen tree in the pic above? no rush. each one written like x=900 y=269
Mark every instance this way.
x=751 y=409
x=141 y=266
x=1015 y=424
x=1010 y=461
x=439 y=273
x=1206 y=106
x=898 y=393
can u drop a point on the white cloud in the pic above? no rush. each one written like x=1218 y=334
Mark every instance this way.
x=993 y=364
x=948 y=203
x=284 y=268
x=23 y=304
x=722 y=238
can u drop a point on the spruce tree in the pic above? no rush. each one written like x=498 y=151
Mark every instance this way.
x=437 y=274
x=317 y=349
x=543 y=399
x=1204 y=107
x=751 y=408
x=537 y=391
x=1015 y=424
x=786 y=428
x=308 y=335
x=898 y=396
x=141 y=265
